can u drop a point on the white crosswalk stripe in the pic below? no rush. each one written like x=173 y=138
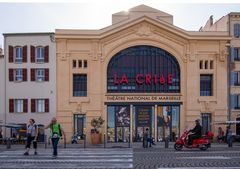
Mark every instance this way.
x=68 y=159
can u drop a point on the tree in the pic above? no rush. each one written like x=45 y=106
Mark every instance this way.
x=96 y=123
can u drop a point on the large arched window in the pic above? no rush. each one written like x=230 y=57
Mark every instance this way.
x=143 y=69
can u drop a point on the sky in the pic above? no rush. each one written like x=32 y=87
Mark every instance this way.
x=21 y=17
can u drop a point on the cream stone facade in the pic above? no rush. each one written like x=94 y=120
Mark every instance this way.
x=196 y=52
x=231 y=24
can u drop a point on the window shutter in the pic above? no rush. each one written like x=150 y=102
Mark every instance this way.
x=33 y=105
x=46 y=105
x=24 y=74
x=238 y=34
x=25 y=105
x=33 y=75
x=10 y=54
x=11 y=75
x=25 y=54
x=11 y=105
x=235 y=30
x=232 y=54
x=232 y=78
x=32 y=54
x=46 y=54
x=232 y=101
x=46 y=72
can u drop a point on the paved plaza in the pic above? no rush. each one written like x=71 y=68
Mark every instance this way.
x=158 y=157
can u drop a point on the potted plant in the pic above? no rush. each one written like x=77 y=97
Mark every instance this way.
x=96 y=123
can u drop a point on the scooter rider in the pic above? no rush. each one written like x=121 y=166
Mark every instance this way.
x=196 y=132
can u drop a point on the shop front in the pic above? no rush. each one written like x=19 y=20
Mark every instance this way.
x=143 y=92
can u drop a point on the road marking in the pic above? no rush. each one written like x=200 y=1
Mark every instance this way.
x=208 y=157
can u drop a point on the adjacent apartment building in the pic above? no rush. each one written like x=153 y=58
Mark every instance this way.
x=30 y=78
x=231 y=24
x=141 y=72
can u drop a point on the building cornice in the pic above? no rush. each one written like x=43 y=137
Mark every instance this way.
x=99 y=34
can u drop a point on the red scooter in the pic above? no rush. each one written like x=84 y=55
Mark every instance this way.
x=202 y=143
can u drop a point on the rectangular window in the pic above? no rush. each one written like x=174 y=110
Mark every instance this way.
x=206 y=64
x=201 y=64
x=206 y=122
x=236 y=76
x=40 y=105
x=18 y=105
x=236 y=54
x=85 y=63
x=236 y=30
x=79 y=125
x=206 y=85
x=39 y=54
x=79 y=63
x=18 y=75
x=18 y=53
x=40 y=75
x=74 y=64
x=79 y=85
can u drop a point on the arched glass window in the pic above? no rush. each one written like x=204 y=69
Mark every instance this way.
x=143 y=69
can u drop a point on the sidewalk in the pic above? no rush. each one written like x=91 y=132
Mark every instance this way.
x=135 y=145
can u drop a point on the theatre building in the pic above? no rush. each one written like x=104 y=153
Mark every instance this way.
x=141 y=72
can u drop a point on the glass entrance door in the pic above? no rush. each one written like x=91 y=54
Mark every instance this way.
x=144 y=118
x=168 y=122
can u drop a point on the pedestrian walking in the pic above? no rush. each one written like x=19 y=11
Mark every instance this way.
x=32 y=133
x=56 y=134
x=145 y=138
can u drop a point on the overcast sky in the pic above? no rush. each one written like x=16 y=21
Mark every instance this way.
x=46 y=17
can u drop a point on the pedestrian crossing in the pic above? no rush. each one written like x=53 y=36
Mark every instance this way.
x=68 y=159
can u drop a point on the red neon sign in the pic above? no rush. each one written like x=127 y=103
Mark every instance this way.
x=147 y=79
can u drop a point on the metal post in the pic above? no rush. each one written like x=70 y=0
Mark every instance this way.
x=129 y=141
x=8 y=143
x=104 y=140
x=45 y=141
x=64 y=141
x=166 y=142
x=84 y=142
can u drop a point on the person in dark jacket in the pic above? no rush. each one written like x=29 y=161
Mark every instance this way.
x=196 y=132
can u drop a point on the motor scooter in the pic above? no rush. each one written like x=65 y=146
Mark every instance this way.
x=202 y=143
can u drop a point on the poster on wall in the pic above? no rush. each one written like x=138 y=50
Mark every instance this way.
x=122 y=114
x=143 y=116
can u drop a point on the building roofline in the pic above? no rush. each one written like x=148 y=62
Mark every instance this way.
x=234 y=13
x=28 y=34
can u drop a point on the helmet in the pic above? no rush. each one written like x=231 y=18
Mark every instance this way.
x=197 y=120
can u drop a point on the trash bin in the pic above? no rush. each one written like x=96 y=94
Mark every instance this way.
x=8 y=143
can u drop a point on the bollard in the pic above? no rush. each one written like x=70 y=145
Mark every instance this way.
x=64 y=142
x=45 y=141
x=104 y=140
x=129 y=144
x=8 y=143
x=84 y=143
x=166 y=142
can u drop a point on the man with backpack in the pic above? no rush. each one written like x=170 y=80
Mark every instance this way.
x=56 y=134
x=32 y=133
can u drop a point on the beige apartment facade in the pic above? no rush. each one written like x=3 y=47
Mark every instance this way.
x=231 y=24
x=141 y=72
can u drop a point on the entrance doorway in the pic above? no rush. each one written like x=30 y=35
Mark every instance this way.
x=168 y=122
x=238 y=126
x=79 y=124
x=144 y=119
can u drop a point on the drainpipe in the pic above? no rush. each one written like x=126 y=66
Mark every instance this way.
x=229 y=72
x=5 y=92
